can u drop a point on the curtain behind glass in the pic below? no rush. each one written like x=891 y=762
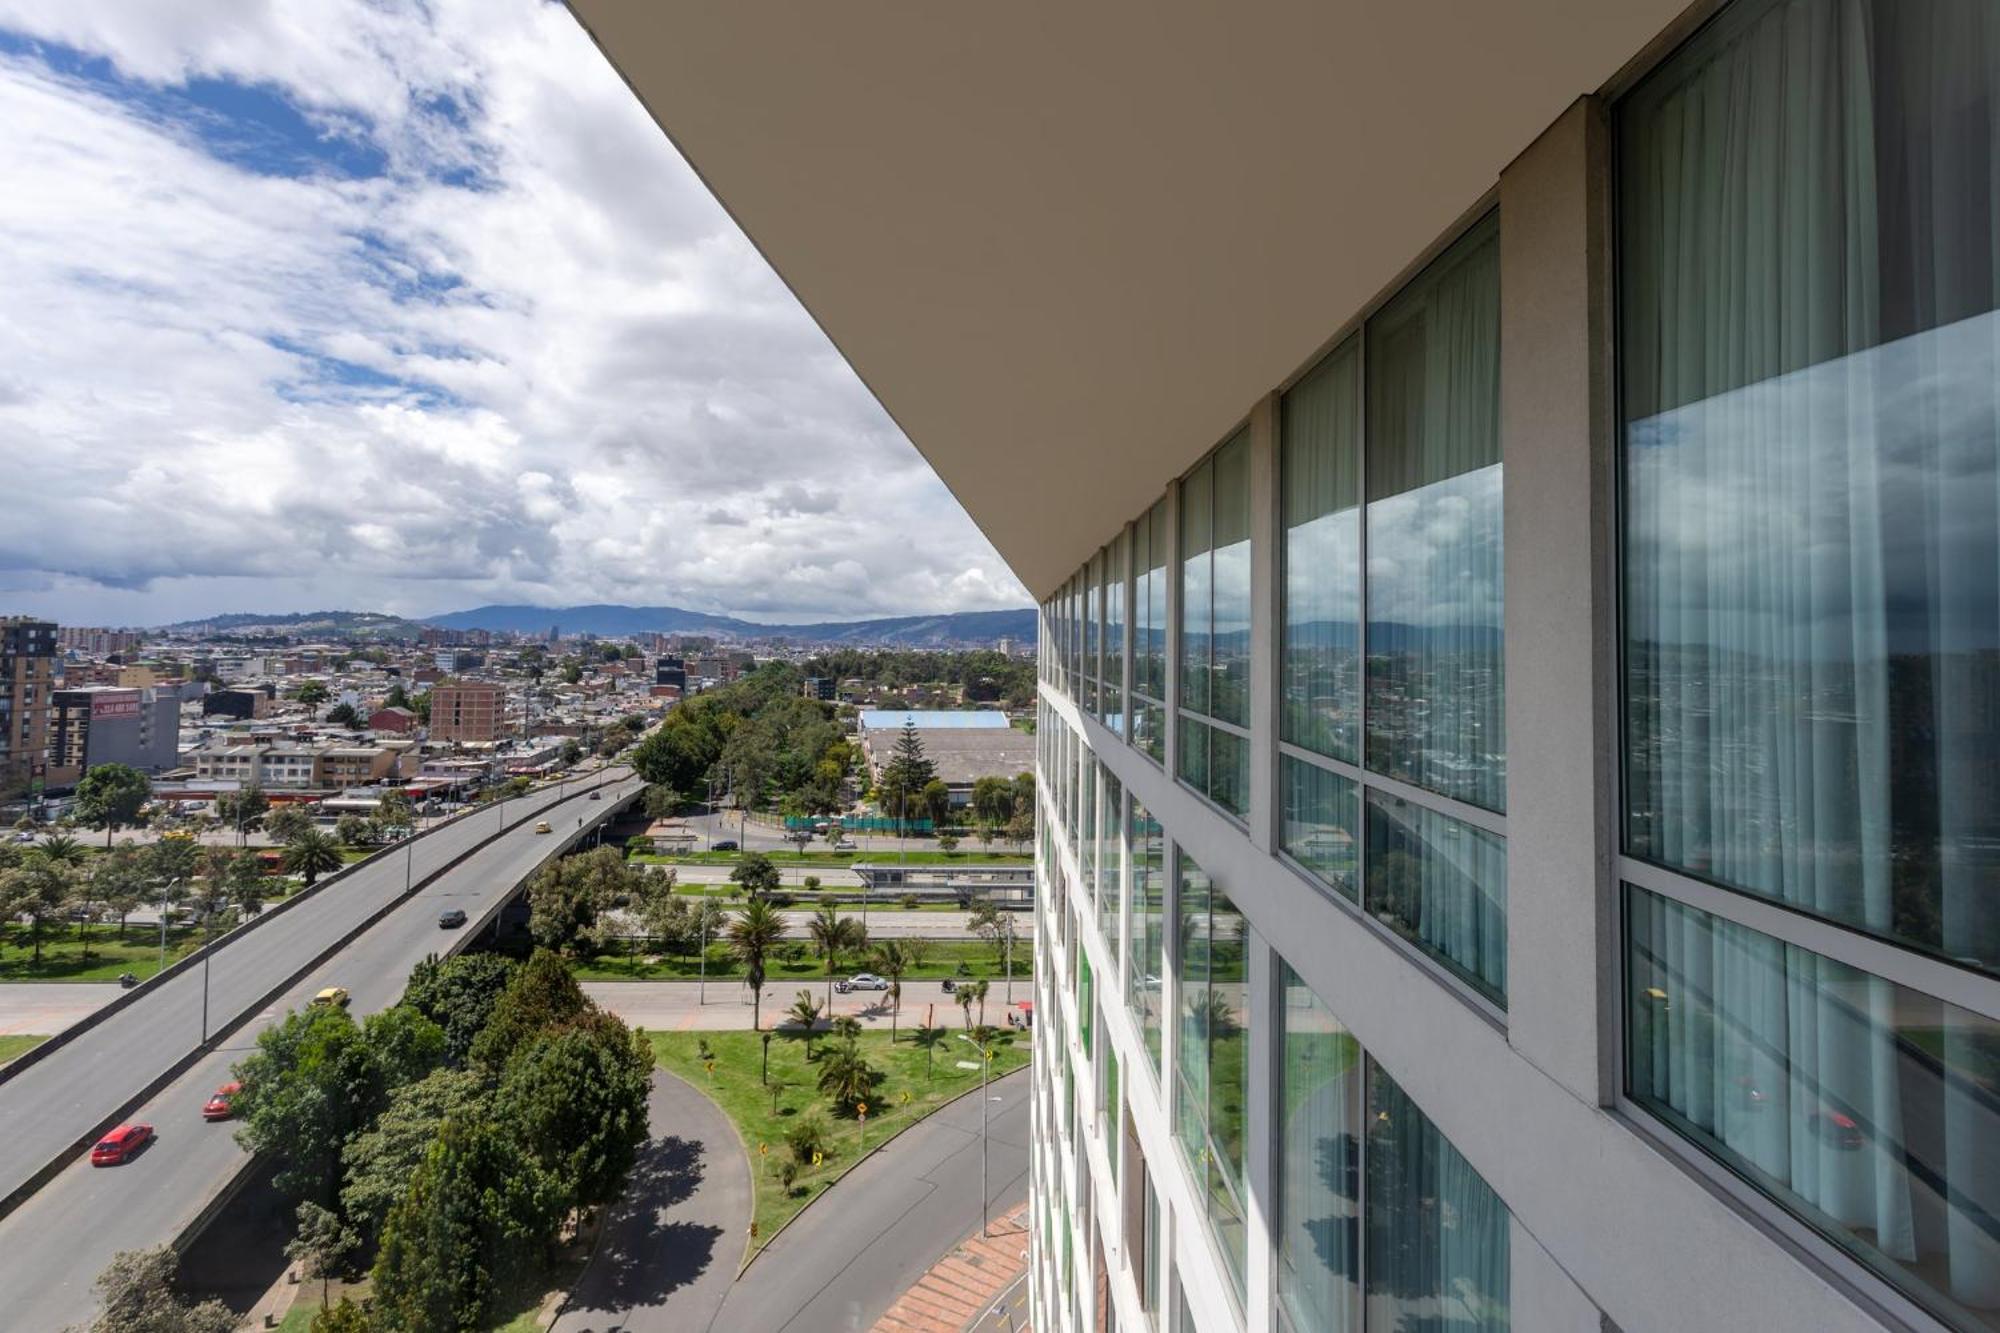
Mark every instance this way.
x=1435 y=672
x=1810 y=241
x=1321 y=466
x=1868 y=1108
x=1438 y=1240
x=1441 y=884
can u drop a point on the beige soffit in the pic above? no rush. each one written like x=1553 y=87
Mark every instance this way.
x=1069 y=245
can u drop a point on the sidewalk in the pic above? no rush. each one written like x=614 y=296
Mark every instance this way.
x=958 y=1292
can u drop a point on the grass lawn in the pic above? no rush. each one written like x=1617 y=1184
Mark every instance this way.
x=808 y=860
x=18 y=1044
x=137 y=952
x=904 y=1095
x=942 y=959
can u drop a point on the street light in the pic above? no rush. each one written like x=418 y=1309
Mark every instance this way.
x=701 y=987
x=165 y=897
x=985 y=1063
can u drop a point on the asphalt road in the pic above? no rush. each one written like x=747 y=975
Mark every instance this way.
x=53 y=1246
x=669 y=1250
x=847 y=1258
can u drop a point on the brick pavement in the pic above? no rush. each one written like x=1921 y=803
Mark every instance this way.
x=960 y=1287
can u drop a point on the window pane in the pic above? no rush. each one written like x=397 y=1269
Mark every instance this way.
x=1811 y=366
x=1229 y=771
x=1196 y=603
x=1143 y=996
x=1435 y=669
x=1114 y=635
x=1191 y=976
x=1193 y=754
x=1319 y=1165
x=1149 y=731
x=1442 y=885
x=1321 y=464
x=1871 y=1110
x=1228 y=1024
x=1110 y=829
x=1323 y=824
x=1229 y=691
x=1437 y=1235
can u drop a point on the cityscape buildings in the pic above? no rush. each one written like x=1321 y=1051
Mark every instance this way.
x=27 y=679
x=467 y=711
x=1515 y=497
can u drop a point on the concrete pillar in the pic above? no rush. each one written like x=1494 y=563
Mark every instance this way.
x=1556 y=441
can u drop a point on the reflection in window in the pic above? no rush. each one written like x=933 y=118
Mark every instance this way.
x=1438 y=1246
x=1322 y=824
x=1321 y=434
x=1110 y=861
x=1148 y=965
x=1435 y=676
x=1149 y=631
x=1441 y=884
x=1215 y=625
x=1213 y=1055
x=1810 y=353
x=1112 y=699
x=1319 y=1165
x=1871 y=1110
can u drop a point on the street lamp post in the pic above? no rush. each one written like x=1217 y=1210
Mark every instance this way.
x=701 y=987
x=165 y=898
x=985 y=1063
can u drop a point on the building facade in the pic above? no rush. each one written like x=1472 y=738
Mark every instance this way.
x=1514 y=497
x=110 y=725
x=467 y=711
x=27 y=683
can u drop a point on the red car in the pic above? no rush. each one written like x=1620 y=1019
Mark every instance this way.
x=219 y=1107
x=121 y=1145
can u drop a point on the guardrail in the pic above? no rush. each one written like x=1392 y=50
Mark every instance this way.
x=49 y=1169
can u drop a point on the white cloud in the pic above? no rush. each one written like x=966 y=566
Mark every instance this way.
x=530 y=360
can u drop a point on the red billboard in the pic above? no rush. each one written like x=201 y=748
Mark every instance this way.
x=114 y=704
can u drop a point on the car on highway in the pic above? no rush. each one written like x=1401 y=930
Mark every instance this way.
x=332 y=997
x=864 y=981
x=222 y=1103
x=120 y=1145
x=726 y=845
x=451 y=918
x=597 y=796
x=542 y=826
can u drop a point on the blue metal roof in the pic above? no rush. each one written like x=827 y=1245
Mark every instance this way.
x=892 y=719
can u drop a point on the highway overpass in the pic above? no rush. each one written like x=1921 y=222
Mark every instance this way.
x=60 y=1236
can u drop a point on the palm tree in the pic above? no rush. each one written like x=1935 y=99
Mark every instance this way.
x=964 y=997
x=846 y=1076
x=752 y=936
x=832 y=934
x=312 y=854
x=62 y=849
x=805 y=1012
x=979 y=993
x=894 y=958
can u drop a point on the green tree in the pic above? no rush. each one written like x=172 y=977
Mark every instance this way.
x=352 y=830
x=63 y=849
x=312 y=694
x=661 y=801
x=832 y=935
x=575 y=1100
x=935 y=802
x=173 y=858
x=846 y=1077
x=238 y=880
x=243 y=810
x=395 y=809
x=752 y=936
x=312 y=1084
x=40 y=889
x=756 y=874
x=405 y=1044
x=110 y=796
x=344 y=1316
x=286 y=823
x=122 y=880
x=804 y=1014
x=992 y=800
x=947 y=843
x=344 y=715
x=569 y=899
x=135 y=1294
x=397 y=697
x=312 y=854
x=458 y=994
x=1021 y=828
x=540 y=994
x=899 y=787
x=377 y=1165
x=477 y=1216
x=894 y=958
x=321 y=1246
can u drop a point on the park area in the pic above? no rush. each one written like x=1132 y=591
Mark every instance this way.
x=795 y=961
x=790 y=1120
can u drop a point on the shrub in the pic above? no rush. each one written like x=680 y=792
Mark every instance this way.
x=910 y=902
x=805 y=1139
x=811 y=884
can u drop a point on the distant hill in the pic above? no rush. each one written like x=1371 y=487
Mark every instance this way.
x=959 y=627
x=306 y=622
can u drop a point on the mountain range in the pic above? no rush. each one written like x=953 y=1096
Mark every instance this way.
x=616 y=621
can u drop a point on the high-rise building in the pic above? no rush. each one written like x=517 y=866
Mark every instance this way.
x=467 y=711
x=110 y=725
x=1514 y=497
x=27 y=684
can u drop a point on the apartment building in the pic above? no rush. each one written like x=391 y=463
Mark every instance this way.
x=1514 y=496
x=276 y=766
x=27 y=681
x=467 y=711
x=356 y=765
x=108 y=725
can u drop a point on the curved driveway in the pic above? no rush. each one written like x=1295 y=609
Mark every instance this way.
x=669 y=1249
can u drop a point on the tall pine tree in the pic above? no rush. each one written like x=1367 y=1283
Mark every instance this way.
x=904 y=777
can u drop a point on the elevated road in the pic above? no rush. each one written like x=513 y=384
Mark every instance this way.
x=53 y=1245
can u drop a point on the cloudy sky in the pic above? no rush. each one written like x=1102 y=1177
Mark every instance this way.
x=410 y=307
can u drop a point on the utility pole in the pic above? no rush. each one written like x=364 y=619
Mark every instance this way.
x=701 y=987
x=985 y=1063
x=165 y=898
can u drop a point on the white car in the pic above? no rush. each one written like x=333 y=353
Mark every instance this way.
x=865 y=981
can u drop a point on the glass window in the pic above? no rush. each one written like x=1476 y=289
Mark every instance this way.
x=1321 y=435
x=1093 y=590
x=1437 y=1235
x=1441 y=884
x=1110 y=862
x=1149 y=631
x=1319 y=1165
x=1197 y=603
x=1435 y=679
x=1112 y=699
x=1322 y=829
x=1810 y=349
x=1213 y=1055
x=1144 y=973
x=1215 y=625
x=1229 y=692
x=1869 y=1109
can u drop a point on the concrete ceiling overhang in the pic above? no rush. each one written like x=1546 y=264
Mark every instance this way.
x=1069 y=245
